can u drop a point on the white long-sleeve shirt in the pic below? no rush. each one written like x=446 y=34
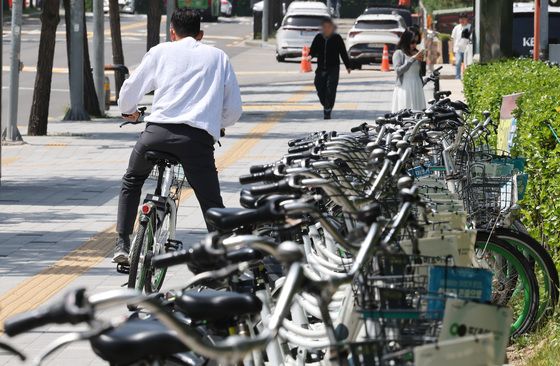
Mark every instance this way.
x=456 y=37
x=193 y=83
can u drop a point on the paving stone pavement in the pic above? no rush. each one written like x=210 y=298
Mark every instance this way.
x=59 y=191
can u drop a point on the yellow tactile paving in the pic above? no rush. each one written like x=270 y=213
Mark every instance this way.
x=37 y=289
x=282 y=107
x=9 y=160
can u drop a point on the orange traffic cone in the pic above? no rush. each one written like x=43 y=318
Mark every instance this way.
x=305 y=65
x=385 y=60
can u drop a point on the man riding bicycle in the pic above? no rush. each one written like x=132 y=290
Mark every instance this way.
x=196 y=95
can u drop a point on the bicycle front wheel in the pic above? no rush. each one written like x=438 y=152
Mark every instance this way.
x=141 y=253
x=514 y=283
x=543 y=266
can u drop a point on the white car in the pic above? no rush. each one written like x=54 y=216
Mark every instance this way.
x=226 y=8
x=300 y=25
x=125 y=6
x=369 y=35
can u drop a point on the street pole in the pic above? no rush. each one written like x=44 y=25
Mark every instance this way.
x=12 y=133
x=544 y=29
x=476 y=41
x=77 y=110
x=99 y=52
x=265 y=15
x=537 y=31
x=1 y=51
x=170 y=10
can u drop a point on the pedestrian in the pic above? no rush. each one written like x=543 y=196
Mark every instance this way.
x=460 y=43
x=431 y=45
x=196 y=95
x=409 y=92
x=328 y=47
x=418 y=37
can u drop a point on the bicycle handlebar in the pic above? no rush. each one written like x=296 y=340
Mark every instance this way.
x=141 y=110
x=71 y=309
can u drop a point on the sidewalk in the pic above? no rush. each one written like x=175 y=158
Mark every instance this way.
x=59 y=194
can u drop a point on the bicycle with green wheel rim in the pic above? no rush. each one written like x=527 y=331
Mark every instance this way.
x=543 y=266
x=155 y=234
x=514 y=284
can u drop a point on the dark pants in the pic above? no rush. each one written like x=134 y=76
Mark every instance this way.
x=195 y=150
x=326 y=82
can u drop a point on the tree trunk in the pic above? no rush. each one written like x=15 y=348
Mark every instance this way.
x=154 y=23
x=118 y=56
x=90 y=94
x=39 y=115
x=91 y=103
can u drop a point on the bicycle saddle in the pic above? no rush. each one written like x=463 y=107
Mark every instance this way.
x=232 y=218
x=212 y=305
x=157 y=157
x=246 y=199
x=136 y=340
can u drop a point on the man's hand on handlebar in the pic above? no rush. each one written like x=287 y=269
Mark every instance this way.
x=131 y=117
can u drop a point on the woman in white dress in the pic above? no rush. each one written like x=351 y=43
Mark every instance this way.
x=409 y=87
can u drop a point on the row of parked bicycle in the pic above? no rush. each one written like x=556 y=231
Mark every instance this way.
x=366 y=247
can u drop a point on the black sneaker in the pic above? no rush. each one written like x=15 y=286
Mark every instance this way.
x=327 y=114
x=122 y=248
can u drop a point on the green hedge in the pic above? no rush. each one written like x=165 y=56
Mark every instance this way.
x=484 y=86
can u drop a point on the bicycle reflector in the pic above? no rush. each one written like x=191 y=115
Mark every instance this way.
x=146 y=208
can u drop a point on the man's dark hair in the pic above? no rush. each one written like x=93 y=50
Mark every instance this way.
x=186 y=22
x=463 y=15
x=326 y=20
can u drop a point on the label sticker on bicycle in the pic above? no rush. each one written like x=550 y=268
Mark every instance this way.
x=420 y=171
x=457 y=282
x=465 y=351
x=465 y=318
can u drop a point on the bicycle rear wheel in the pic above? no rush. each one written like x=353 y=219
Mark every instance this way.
x=141 y=250
x=166 y=231
x=514 y=283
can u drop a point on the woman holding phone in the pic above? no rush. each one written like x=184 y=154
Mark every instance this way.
x=409 y=92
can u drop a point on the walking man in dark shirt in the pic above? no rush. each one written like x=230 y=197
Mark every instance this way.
x=328 y=47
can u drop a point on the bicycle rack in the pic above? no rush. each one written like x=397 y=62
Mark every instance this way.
x=123 y=268
x=173 y=245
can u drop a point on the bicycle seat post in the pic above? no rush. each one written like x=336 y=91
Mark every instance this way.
x=161 y=170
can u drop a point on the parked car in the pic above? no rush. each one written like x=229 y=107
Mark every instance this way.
x=226 y=8
x=367 y=38
x=404 y=13
x=125 y=6
x=300 y=25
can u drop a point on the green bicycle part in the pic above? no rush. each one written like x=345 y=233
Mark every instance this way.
x=523 y=321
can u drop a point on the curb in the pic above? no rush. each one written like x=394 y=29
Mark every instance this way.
x=259 y=43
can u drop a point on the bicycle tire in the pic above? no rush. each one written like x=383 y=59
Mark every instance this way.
x=542 y=262
x=155 y=277
x=518 y=226
x=526 y=281
x=139 y=245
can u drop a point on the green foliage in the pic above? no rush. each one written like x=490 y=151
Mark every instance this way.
x=484 y=85
x=432 y=5
x=444 y=37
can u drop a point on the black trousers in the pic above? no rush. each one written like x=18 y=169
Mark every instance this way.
x=326 y=82
x=194 y=148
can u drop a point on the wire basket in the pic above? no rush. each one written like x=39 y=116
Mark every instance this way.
x=374 y=352
x=491 y=190
x=401 y=298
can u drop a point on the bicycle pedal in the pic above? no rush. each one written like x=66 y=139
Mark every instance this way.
x=123 y=268
x=173 y=245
